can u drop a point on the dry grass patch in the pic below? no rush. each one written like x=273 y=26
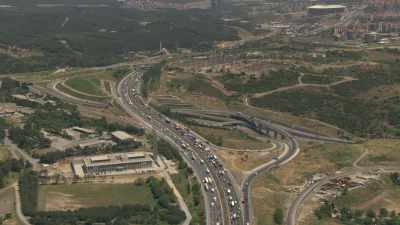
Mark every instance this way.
x=381 y=152
x=376 y=195
x=74 y=196
x=235 y=139
x=7 y=205
x=266 y=197
x=4 y=153
x=276 y=189
x=241 y=162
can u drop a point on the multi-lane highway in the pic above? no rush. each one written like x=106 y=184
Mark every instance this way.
x=226 y=202
x=222 y=197
x=291 y=149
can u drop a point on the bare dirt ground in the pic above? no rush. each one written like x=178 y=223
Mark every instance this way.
x=7 y=205
x=383 y=92
x=61 y=201
x=220 y=86
x=241 y=162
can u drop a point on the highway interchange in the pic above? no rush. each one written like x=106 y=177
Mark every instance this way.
x=226 y=202
x=218 y=186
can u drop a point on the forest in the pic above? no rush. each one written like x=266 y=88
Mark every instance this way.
x=99 y=36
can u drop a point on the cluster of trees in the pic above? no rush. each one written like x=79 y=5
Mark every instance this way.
x=151 y=78
x=102 y=125
x=29 y=189
x=164 y=212
x=9 y=87
x=100 y=36
x=169 y=152
x=119 y=73
x=54 y=119
x=341 y=105
x=166 y=203
x=3 y=125
x=29 y=137
x=8 y=166
x=395 y=177
x=54 y=156
x=243 y=83
x=4 y=218
x=340 y=56
x=350 y=216
x=190 y=189
x=198 y=84
x=109 y=215
x=319 y=79
x=193 y=190
x=353 y=115
x=278 y=216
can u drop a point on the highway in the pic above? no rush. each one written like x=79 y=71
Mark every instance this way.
x=222 y=197
x=291 y=149
x=226 y=202
x=296 y=205
x=293 y=209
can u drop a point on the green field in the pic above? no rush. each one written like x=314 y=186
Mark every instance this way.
x=68 y=91
x=53 y=197
x=88 y=85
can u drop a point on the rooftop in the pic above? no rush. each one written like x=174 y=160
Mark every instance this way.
x=118 y=158
x=84 y=130
x=8 y=108
x=95 y=143
x=121 y=135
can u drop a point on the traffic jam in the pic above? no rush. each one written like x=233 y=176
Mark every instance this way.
x=204 y=156
x=215 y=165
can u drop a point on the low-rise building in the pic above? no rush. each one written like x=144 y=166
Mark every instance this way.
x=114 y=164
x=7 y=109
x=96 y=144
x=122 y=137
x=84 y=130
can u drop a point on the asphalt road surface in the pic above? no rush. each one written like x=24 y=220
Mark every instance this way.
x=222 y=196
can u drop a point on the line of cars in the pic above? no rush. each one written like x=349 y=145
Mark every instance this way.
x=214 y=169
x=194 y=149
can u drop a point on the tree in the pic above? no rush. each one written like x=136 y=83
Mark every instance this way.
x=371 y=213
x=324 y=211
x=383 y=212
x=278 y=216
